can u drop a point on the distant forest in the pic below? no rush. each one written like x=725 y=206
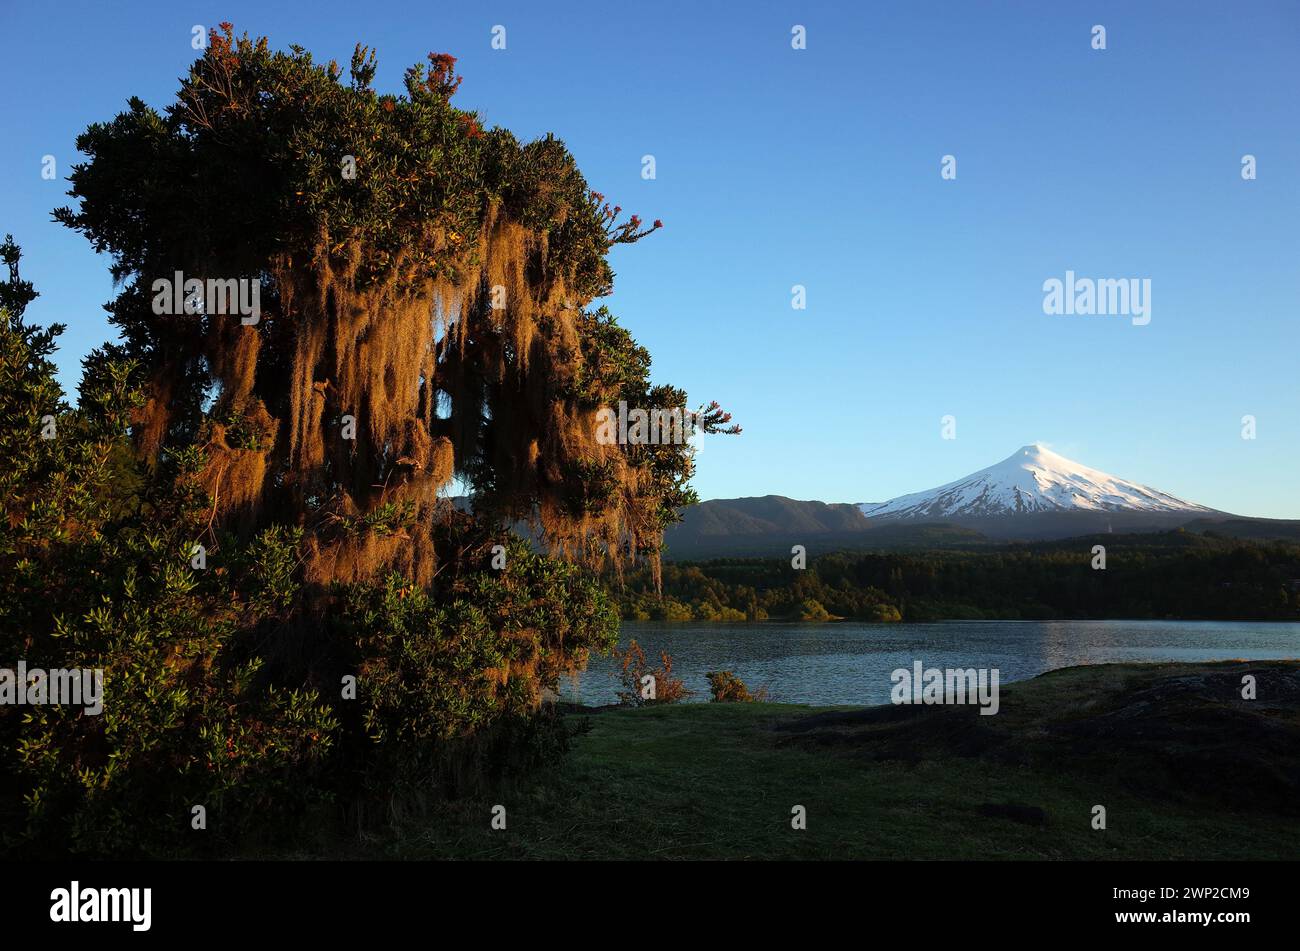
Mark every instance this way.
x=1176 y=574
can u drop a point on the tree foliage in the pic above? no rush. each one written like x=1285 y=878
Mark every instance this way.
x=422 y=276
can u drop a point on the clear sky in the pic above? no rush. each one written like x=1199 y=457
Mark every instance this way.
x=821 y=167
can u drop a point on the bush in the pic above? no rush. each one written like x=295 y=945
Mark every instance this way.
x=672 y=610
x=885 y=612
x=445 y=681
x=643 y=686
x=726 y=687
x=812 y=610
x=92 y=580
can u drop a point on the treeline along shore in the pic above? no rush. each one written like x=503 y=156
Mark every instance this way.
x=1174 y=575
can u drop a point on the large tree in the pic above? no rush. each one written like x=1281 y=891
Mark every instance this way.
x=425 y=292
x=424 y=312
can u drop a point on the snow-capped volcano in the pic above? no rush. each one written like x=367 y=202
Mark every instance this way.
x=1032 y=480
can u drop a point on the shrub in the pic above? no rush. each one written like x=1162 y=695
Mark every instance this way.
x=812 y=610
x=633 y=671
x=446 y=680
x=671 y=610
x=726 y=687
x=92 y=580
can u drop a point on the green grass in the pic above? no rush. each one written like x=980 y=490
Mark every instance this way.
x=704 y=781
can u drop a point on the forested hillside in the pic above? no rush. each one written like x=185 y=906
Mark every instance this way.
x=1175 y=575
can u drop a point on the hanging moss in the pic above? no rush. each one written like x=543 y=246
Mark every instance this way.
x=422 y=318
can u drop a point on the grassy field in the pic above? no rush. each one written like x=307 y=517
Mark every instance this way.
x=1185 y=768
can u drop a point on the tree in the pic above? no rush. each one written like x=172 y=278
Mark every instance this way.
x=422 y=287
x=308 y=357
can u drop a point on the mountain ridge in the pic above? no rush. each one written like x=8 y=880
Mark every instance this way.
x=1034 y=494
x=1033 y=479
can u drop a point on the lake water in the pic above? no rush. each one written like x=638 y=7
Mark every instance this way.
x=851 y=663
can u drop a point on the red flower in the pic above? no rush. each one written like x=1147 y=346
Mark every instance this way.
x=441 y=80
x=471 y=125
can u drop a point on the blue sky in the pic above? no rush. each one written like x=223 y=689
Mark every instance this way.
x=821 y=167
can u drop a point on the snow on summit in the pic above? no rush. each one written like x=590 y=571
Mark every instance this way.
x=1032 y=479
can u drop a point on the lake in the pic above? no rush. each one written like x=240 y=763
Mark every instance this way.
x=851 y=662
